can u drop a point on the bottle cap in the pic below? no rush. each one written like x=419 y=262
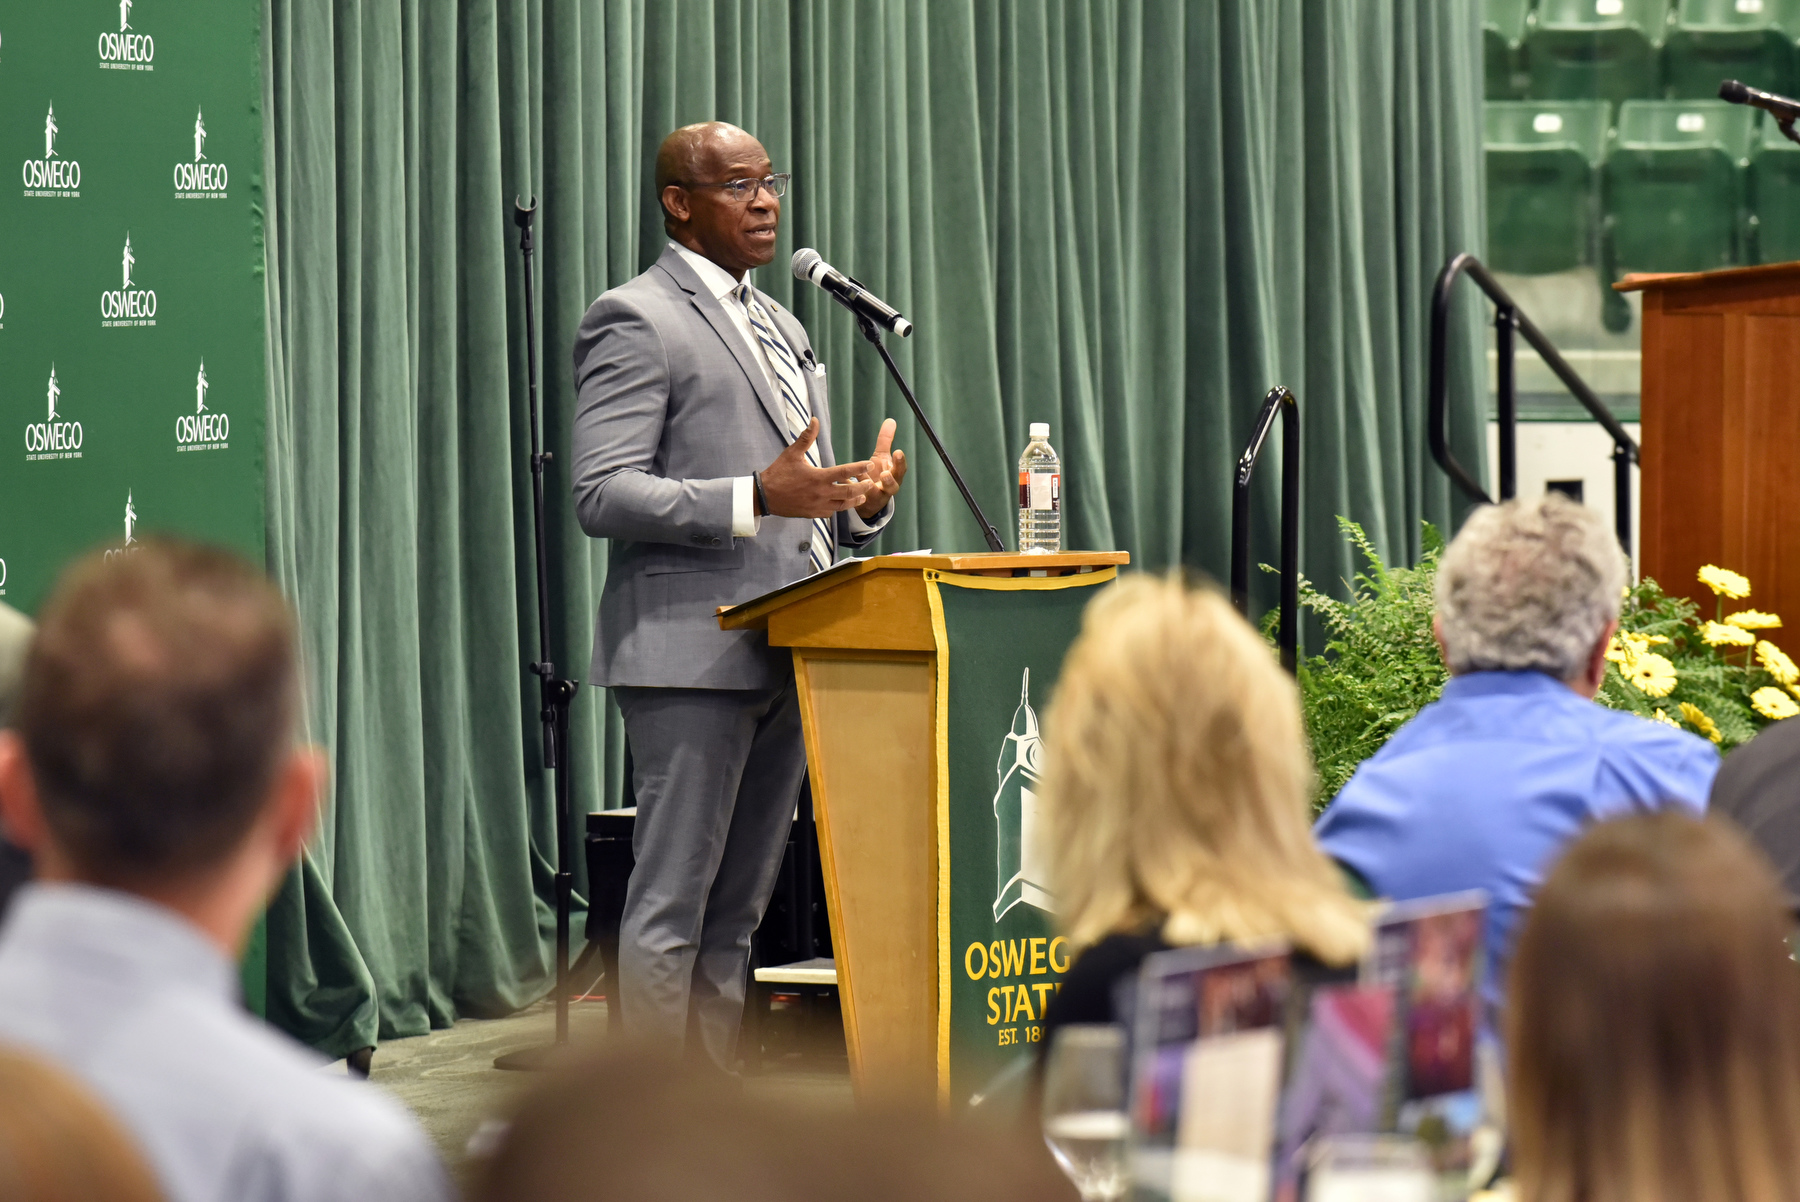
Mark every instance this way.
x=1040 y=429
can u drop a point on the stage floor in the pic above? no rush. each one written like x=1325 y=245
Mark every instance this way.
x=449 y=1080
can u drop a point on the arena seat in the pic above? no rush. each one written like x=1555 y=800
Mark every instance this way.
x=1775 y=196
x=1748 y=40
x=1543 y=186
x=1502 y=32
x=1596 y=49
x=1676 y=184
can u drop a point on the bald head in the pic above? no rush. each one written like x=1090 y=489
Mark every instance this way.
x=686 y=155
x=738 y=235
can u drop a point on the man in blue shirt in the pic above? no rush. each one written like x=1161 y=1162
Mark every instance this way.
x=1484 y=788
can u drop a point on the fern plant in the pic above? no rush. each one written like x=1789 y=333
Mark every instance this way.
x=1380 y=665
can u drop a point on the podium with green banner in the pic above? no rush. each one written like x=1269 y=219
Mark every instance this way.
x=922 y=682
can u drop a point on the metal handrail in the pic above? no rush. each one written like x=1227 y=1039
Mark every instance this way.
x=1282 y=401
x=1507 y=318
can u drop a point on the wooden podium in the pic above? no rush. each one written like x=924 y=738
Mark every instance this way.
x=1721 y=430
x=865 y=660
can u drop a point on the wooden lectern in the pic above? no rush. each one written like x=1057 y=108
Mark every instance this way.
x=865 y=659
x=1721 y=431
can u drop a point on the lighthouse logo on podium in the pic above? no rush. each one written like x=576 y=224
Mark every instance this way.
x=1020 y=876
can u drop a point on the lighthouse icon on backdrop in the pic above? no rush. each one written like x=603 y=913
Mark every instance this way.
x=1020 y=876
x=50 y=133
x=126 y=261
x=130 y=519
x=54 y=393
x=199 y=135
x=200 y=390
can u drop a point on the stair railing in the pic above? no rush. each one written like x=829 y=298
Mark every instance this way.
x=1508 y=319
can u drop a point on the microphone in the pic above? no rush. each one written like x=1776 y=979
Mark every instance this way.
x=1781 y=108
x=853 y=296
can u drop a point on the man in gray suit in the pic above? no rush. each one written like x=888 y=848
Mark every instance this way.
x=703 y=451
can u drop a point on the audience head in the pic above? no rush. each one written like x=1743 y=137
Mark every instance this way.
x=57 y=1144
x=1652 y=1022
x=1179 y=784
x=1531 y=585
x=15 y=639
x=155 y=732
x=638 y=1127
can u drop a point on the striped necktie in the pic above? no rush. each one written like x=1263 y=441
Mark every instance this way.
x=791 y=386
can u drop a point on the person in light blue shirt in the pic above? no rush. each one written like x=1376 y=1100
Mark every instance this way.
x=1486 y=786
x=154 y=777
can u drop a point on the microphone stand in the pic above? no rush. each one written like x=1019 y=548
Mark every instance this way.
x=554 y=693
x=872 y=332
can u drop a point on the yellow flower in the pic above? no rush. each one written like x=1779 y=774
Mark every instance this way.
x=1776 y=663
x=1771 y=702
x=1659 y=716
x=1752 y=619
x=1651 y=673
x=1724 y=582
x=1700 y=721
x=1717 y=634
x=1626 y=645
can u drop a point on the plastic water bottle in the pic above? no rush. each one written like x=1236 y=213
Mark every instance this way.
x=1040 y=494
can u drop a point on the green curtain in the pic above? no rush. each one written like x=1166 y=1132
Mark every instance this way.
x=1127 y=219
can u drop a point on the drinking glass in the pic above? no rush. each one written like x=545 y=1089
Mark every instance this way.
x=1085 y=1123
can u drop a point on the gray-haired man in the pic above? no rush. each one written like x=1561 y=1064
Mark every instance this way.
x=1485 y=786
x=703 y=451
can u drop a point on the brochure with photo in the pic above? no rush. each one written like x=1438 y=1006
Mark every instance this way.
x=1339 y=1080
x=1245 y=1062
x=1209 y=1042
x=1430 y=953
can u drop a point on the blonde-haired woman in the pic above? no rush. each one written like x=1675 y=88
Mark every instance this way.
x=1654 y=1022
x=1177 y=794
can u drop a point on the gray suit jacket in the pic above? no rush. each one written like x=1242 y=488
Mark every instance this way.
x=671 y=406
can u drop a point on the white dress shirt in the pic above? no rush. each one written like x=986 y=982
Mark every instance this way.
x=744 y=520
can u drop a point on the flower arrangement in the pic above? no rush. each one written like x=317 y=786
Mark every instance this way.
x=1718 y=677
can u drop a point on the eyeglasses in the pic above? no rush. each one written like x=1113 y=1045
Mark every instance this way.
x=744 y=190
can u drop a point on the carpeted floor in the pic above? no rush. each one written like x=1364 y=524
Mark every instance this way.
x=449 y=1080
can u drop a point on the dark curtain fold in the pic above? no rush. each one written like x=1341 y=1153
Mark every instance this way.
x=1127 y=219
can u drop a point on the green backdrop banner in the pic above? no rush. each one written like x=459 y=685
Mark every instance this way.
x=131 y=324
x=131 y=300
x=1126 y=219
x=1000 y=647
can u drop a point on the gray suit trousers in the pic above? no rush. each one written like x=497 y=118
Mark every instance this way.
x=717 y=775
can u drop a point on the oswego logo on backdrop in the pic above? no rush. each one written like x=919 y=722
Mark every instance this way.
x=129 y=546
x=53 y=438
x=201 y=179
x=126 y=305
x=202 y=430
x=53 y=175
x=126 y=50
